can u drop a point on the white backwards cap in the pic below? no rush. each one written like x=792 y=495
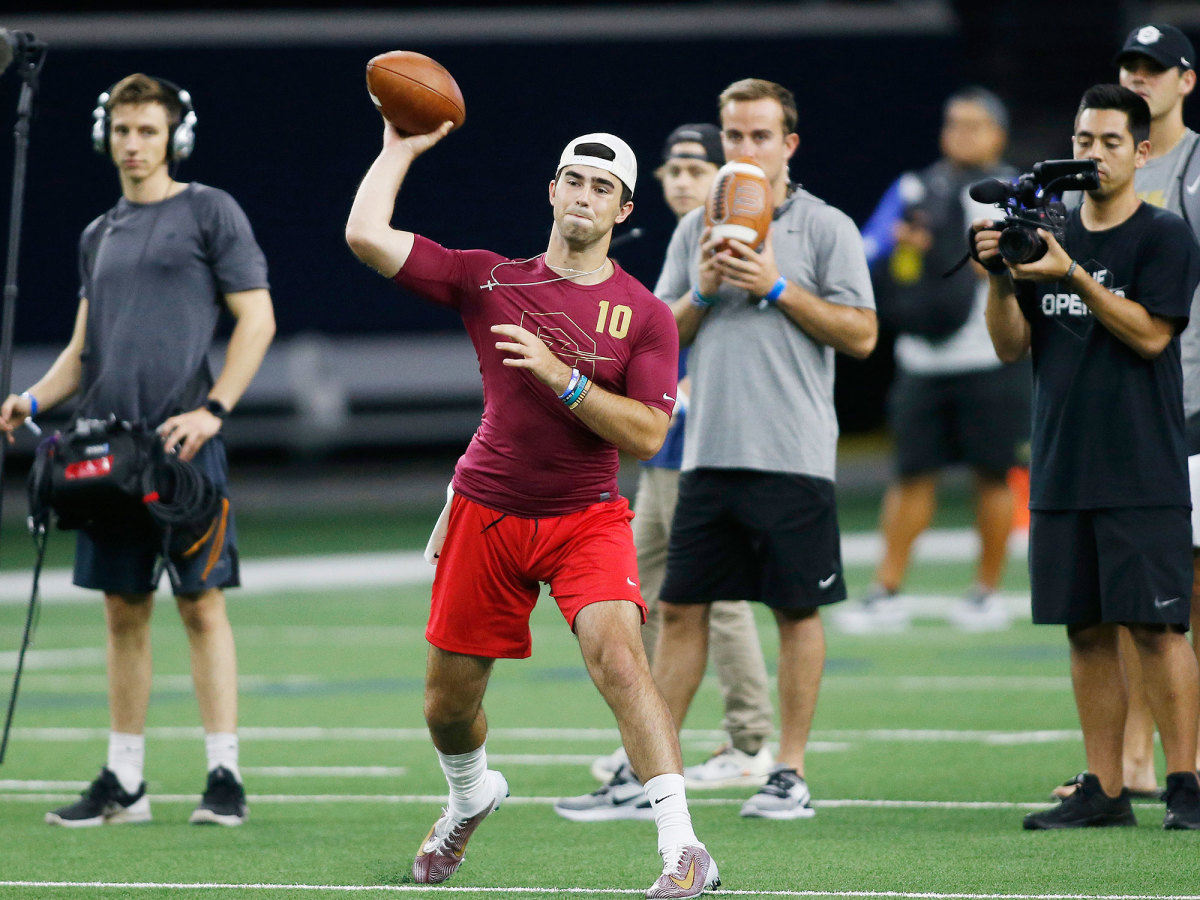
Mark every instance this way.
x=608 y=152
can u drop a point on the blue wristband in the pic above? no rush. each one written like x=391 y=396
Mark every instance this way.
x=776 y=290
x=577 y=392
x=33 y=404
x=698 y=299
x=570 y=385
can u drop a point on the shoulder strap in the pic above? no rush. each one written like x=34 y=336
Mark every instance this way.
x=1189 y=184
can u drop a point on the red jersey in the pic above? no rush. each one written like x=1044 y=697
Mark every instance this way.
x=531 y=456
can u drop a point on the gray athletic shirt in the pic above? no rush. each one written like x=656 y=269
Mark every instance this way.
x=154 y=276
x=1160 y=182
x=762 y=389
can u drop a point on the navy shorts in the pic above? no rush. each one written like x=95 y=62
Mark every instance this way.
x=748 y=535
x=1129 y=565
x=124 y=562
x=978 y=418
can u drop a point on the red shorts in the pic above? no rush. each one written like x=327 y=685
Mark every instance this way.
x=491 y=566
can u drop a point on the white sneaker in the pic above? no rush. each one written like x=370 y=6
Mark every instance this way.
x=983 y=612
x=784 y=796
x=876 y=613
x=605 y=767
x=730 y=767
x=687 y=872
x=622 y=798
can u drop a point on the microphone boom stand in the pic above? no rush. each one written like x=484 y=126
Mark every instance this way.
x=30 y=54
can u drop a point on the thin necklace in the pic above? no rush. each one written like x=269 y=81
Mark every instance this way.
x=576 y=273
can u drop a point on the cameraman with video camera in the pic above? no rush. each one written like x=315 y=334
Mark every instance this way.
x=1101 y=309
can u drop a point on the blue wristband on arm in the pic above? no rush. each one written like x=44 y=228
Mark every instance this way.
x=698 y=299
x=776 y=290
x=33 y=404
x=570 y=385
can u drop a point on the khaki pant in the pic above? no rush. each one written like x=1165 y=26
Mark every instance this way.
x=732 y=636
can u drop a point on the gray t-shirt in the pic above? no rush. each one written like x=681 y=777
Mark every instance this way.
x=1160 y=182
x=154 y=276
x=762 y=389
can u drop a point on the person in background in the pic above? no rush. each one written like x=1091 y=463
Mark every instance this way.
x=156 y=271
x=952 y=401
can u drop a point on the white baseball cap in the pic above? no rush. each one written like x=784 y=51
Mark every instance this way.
x=607 y=152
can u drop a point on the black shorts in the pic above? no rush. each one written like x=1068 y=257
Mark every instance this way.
x=746 y=535
x=1129 y=565
x=978 y=418
x=124 y=562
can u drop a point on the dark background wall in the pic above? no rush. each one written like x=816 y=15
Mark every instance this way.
x=287 y=128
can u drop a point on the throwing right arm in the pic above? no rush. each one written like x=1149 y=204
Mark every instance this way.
x=60 y=381
x=369 y=230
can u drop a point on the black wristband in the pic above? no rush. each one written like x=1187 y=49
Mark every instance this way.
x=216 y=407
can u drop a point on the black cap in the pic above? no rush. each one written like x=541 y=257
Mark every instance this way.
x=707 y=136
x=1165 y=44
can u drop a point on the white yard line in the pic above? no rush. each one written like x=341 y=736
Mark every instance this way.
x=604 y=735
x=514 y=800
x=443 y=889
x=318 y=573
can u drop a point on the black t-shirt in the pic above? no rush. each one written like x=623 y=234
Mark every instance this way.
x=1108 y=424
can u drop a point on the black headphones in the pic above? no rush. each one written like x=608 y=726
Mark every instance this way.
x=180 y=142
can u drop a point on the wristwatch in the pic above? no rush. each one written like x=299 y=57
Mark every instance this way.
x=216 y=407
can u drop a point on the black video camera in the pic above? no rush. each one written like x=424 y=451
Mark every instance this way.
x=1030 y=204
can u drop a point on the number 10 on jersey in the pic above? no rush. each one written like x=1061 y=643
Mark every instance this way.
x=618 y=324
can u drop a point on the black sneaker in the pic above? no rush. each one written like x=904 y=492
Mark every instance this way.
x=105 y=802
x=1183 y=801
x=224 y=800
x=1087 y=807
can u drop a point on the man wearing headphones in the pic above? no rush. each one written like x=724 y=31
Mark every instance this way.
x=155 y=271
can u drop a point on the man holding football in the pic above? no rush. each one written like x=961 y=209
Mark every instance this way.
x=757 y=517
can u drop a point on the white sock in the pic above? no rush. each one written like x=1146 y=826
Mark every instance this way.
x=466 y=773
x=221 y=749
x=667 y=799
x=127 y=759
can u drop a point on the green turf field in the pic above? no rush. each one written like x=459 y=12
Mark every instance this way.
x=928 y=748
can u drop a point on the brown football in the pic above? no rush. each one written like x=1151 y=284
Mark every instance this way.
x=414 y=92
x=739 y=204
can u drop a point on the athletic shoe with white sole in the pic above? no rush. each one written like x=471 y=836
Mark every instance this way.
x=979 y=612
x=444 y=847
x=878 y=612
x=730 y=767
x=622 y=798
x=224 y=801
x=104 y=802
x=688 y=871
x=784 y=796
x=605 y=767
